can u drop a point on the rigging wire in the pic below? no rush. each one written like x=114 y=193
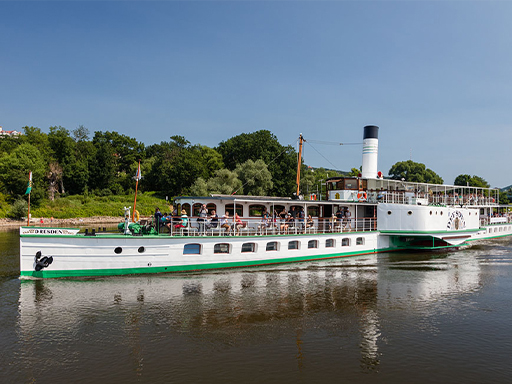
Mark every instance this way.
x=332 y=142
x=328 y=143
x=274 y=159
x=308 y=142
x=329 y=161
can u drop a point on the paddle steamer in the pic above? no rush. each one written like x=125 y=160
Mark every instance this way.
x=358 y=215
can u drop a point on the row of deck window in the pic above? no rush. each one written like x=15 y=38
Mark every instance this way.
x=499 y=229
x=196 y=249
x=255 y=210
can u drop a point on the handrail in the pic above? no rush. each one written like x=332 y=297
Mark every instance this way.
x=257 y=226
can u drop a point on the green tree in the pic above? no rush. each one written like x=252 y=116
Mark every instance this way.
x=255 y=177
x=472 y=181
x=125 y=153
x=225 y=182
x=15 y=168
x=39 y=139
x=504 y=199
x=281 y=160
x=102 y=165
x=414 y=172
x=308 y=182
x=9 y=143
x=177 y=165
x=18 y=209
x=199 y=188
x=354 y=172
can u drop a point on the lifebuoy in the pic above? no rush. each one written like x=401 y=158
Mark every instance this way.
x=361 y=196
x=136 y=215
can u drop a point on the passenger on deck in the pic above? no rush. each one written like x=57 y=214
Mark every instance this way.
x=184 y=220
x=290 y=223
x=203 y=213
x=225 y=224
x=283 y=226
x=348 y=219
x=301 y=218
x=238 y=224
x=214 y=220
x=293 y=214
x=310 y=223
x=167 y=221
x=265 y=221
x=158 y=218
x=282 y=216
x=380 y=194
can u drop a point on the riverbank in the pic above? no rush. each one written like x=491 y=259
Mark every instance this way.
x=45 y=221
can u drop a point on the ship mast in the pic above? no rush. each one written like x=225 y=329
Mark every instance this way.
x=301 y=140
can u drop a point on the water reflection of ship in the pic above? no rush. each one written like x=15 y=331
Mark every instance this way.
x=342 y=297
x=412 y=279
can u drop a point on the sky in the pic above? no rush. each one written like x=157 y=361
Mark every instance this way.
x=435 y=76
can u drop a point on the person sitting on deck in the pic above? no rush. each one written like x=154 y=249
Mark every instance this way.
x=184 y=220
x=225 y=224
x=239 y=224
x=265 y=220
x=167 y=221
x=290 y=223
x=310 y=223
x=282 y=219
x=214 y=220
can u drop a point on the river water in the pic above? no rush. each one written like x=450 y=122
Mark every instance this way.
x=436 y=317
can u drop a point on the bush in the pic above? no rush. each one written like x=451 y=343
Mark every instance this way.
x=105 y=192
x=18 y=210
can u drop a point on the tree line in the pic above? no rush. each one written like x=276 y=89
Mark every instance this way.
x=67 y=162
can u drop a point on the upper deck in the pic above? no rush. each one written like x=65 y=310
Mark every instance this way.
x=373 y=191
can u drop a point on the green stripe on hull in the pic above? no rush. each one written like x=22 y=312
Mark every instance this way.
x=185 y=268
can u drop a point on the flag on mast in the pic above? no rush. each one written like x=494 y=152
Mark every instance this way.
x=29 y=186
x=138 y=175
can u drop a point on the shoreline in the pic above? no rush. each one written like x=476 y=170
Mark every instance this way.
x=78 y=221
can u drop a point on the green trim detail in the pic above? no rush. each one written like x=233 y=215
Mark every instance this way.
x=187 y=268
x=429 y=232
x=103 y=235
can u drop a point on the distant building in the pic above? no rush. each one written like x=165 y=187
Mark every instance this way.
x=8 y=133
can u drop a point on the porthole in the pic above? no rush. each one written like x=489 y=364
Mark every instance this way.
x=248 y=247
x=192 y=249
x=142 y=249
x=441 y=213
x=221 y=248
x=430 y=213
x=118 y=250
x=389 y=212
x=409 y=213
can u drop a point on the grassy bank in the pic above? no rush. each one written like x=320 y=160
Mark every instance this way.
x=88 y=206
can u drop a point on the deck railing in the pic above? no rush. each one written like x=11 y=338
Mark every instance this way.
x=401 y=197
x=271 y=227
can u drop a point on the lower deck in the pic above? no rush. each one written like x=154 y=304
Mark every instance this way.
x=117 y=254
